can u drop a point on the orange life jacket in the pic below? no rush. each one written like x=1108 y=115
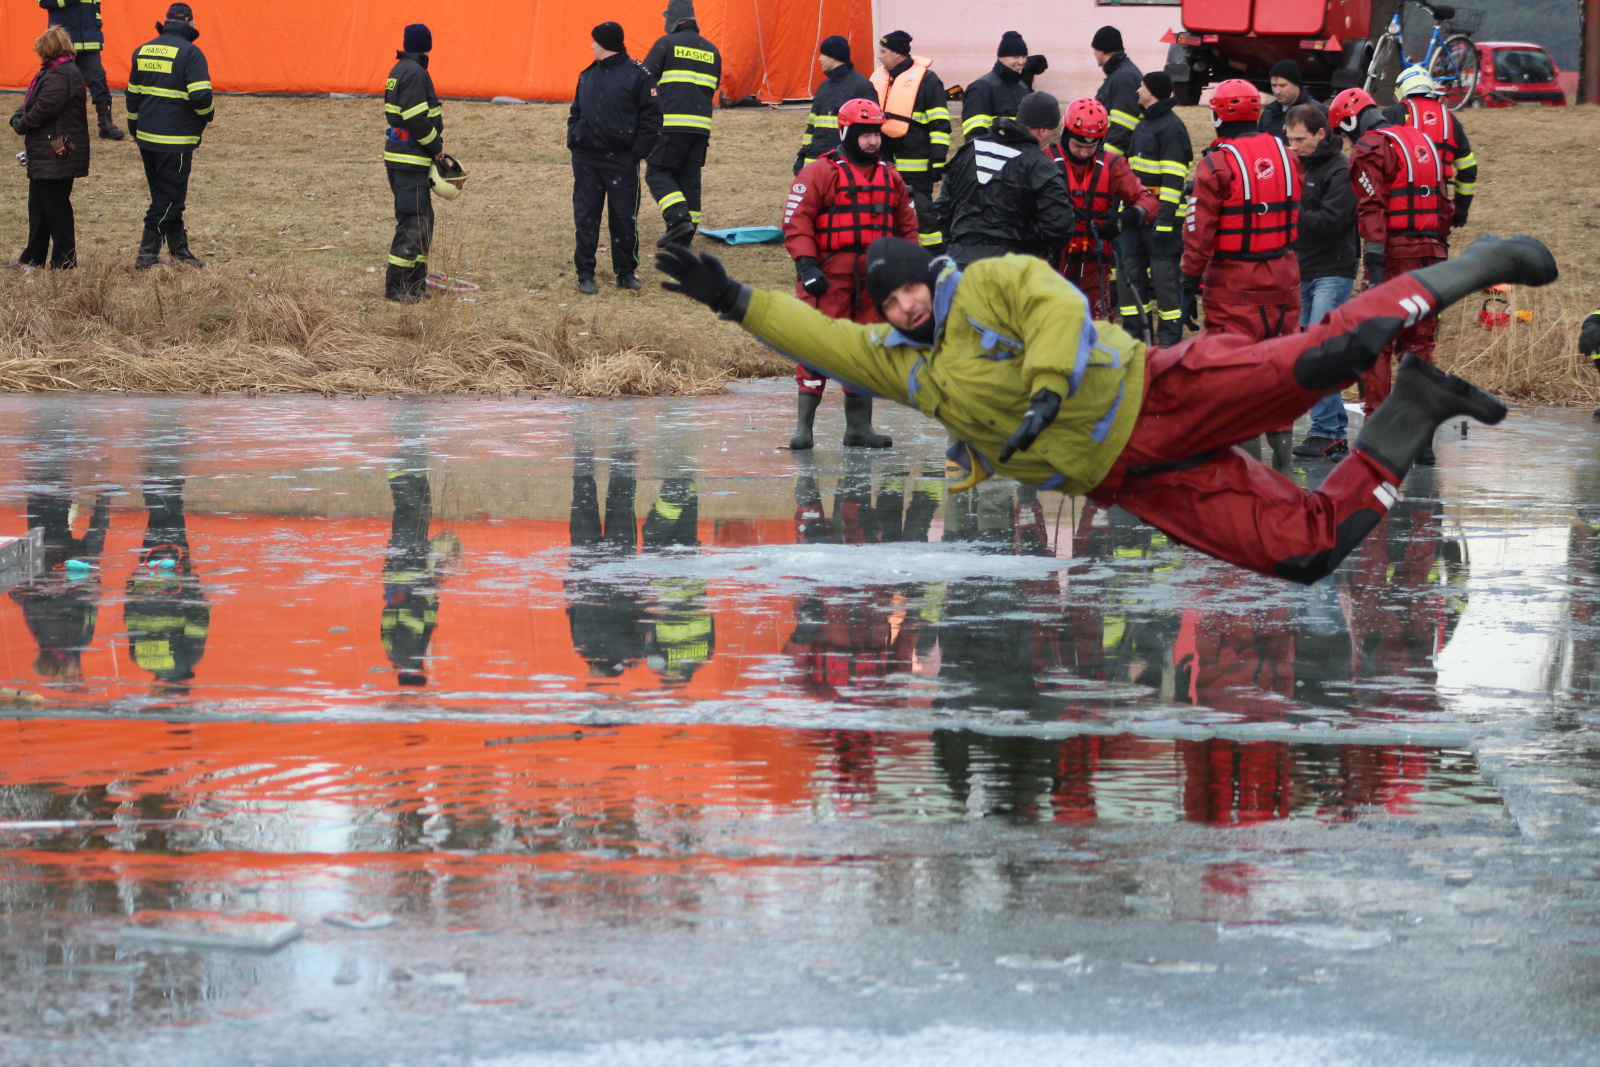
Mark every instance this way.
x=1260 y=218
x=1416 y=199
x=862 y=209
x=898 y=96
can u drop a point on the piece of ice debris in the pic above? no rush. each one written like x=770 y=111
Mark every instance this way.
x=318 y=1015
x=124 y=967
x=1458 y=878
x=1169 y=966
x=256 y=931
x=450 y=980
x=349 y=974
x=1023 y=962
x=53 y=1017
x=1332 y=938
x=350 y=920
x=934 y=965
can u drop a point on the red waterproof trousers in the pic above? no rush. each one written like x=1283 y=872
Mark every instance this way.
x=1416 y=338
x=1182 y=474
x=1096 y=282
x=841 y=301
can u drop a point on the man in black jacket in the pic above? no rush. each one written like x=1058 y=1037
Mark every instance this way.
x=997 y=94
x=1002 y=194
x=1287 y=84
x=1328 y=252
x=1119 y=92
x=842 y=83
x=1160 y=155
x=169 y=107
x=414 y=141
x=81 y=20
x=687 y=68
x=614 y=123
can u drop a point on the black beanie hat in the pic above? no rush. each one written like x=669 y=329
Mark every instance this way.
x=897 y=41
x=678 y=11
x=1039 y=111
x=1159 y=82
x=181 y=12
x=893 y=262
x=1011 y=44
x=1288 y=70
x=418 y=38
x=835 y=47
x=608 y=35
x=1107 y=39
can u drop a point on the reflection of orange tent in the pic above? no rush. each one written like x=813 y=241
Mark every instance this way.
x=529 y=49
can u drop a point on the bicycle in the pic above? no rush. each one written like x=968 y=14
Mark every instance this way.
x=1451 y=58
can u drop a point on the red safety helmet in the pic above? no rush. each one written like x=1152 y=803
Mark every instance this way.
x=860 y=113
x=1347 y=105
x=1087 y=119
x=1236 y=100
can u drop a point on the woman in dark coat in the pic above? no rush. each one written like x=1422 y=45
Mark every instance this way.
x=54 y=120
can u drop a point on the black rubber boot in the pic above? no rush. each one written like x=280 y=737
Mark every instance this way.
x=1280 y=441
x=149 y=250
x=1423 y=398
x=679 y=233
x=858 y=431
x=178 y=245
x=1489 y=261
x=108 y=129
x=805 y=417
x=1252 y=447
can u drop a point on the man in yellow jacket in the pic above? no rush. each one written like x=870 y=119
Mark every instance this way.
x=1006 y=356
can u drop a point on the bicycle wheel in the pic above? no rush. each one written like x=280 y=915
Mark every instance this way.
x=1455 y=68
x=1379 y=75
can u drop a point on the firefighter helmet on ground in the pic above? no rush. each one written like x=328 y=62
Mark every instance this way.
x=1415 y=81
x=860 y=113
x=1347 y=106
x=1087 y=119
x=1236 y=100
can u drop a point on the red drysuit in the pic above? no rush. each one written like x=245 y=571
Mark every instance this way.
x=1100 y=186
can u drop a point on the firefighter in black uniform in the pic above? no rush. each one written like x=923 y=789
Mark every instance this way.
x=169 y=107
x=1119 y=92
x=687 y=68
x=916 y=137
x=997 y=94
x=614 y=122
x=81 y=20
x=414 y=140
x=1161 y=155
x=1002 y=194
x=841 y=84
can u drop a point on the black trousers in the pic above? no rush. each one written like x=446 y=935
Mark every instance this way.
x=920 y=186
x=1152 y=260
x=609 y=181
x=167 y=174
x=94 y=76
x=413 y=232
x=50 y=220
x=673 y=174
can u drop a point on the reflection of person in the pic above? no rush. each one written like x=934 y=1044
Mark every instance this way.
x=410 y=574
x=1008 y=343
x=62 y=604
x=166 y=613
x=55 y=127
x=606 y=618
x=682 y=634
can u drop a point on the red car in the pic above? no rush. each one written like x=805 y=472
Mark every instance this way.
x=1511 y=74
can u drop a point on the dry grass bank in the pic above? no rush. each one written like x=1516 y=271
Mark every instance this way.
x=293 y=212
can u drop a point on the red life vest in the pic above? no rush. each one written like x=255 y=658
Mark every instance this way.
x=1091 y=201
x=1416 y=199
x=1260 y=219
x=862 y=209
x=1429 y=115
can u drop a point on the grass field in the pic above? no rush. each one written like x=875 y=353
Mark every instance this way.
x=292 y=210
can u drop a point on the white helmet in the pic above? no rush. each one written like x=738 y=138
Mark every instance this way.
x=1416 y=81
x=446 y=177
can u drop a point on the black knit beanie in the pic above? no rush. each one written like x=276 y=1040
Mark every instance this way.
x=893 y=262
x=1039 y=111
x=1159 y=82
x=835 y=47
x=1011 y=44
x=1288 y=70
x=608 y=35
x=1107 y=39
x=897 y=41
x=416 y=39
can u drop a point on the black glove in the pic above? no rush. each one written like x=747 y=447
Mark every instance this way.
x=1191 y=284
x=1034 y=66
x=1131 y=217
x=699 y=278
x=812 y=280
x=1107 y=230
x=1589 y=338
x=1042 y=411
x=1460 y=219
x=799 y=164
x=16 y=121
x=1372 y=256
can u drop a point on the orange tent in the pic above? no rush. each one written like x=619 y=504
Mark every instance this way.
x=529 y=49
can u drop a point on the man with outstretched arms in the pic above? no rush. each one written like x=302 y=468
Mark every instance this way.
x=1106 y=197
x=687 y=69
x=916 y=130
x=841 y=83
x=1402 y=213
x=1006 y=357
x=1420 y=106
x=839 y=205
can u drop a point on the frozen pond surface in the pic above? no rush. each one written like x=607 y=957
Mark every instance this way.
x=609 y=733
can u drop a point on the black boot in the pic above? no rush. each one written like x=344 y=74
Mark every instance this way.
x=805 y=416
x=149 y=250
x=679 y=233
x=1423 y=398
x=1279 y=441
x=178 y=245
x=1489 y=261
x=108 y=129
x=858 y=431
